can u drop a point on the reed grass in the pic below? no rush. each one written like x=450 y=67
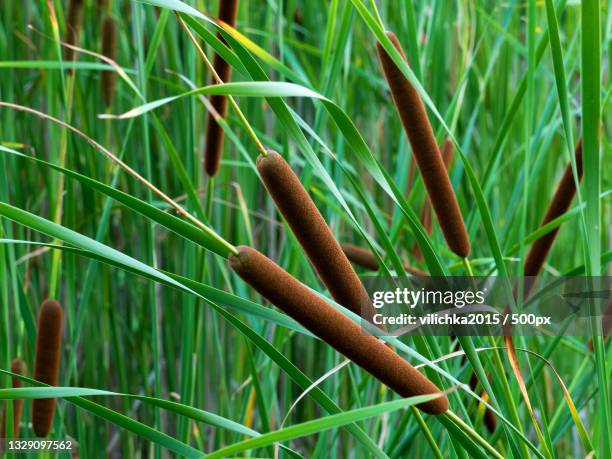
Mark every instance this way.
x=46 y=363
x=108 y=78
x=139 y=259
x=344 y=335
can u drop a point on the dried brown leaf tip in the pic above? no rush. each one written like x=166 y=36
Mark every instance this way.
x=315 y=314
x=213 y=149
x=426 y=153
x=47 y=362
x=109 y=49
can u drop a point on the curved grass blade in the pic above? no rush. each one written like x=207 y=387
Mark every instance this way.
x=196 y=414
x=170 y=222
x=320 y=425
x=199 y=289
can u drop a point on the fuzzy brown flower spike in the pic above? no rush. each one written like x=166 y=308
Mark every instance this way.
x=313 y=234
x=363 y=257
x=46 y=366
x=214 y=132
x=109 y=49
x=20 y=368
x=74 y=22
x=558 y=206
x=425 y=150
x=333 y=327
x=447 y=158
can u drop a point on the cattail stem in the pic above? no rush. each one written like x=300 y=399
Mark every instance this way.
x=558 y=206
x=214 y=132
x=314 y=235
x=109 y=49
x=366 y=259
x=74 y=22
x=425 y=150
x=20 y=368
x=46 y=365
x=333 y=327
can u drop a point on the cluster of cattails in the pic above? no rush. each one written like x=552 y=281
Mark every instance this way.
x=361 y=256
x=426 y=153
x=214 y=132
x=447 y=159
x=333 y=327
x=46 y=364
x=336 y=272
x=20 y=368
x=74 y=23
x=109 y=49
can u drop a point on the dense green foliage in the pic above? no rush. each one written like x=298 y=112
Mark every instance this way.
x=165 y=350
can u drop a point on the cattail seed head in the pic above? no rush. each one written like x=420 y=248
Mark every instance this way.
x=558 y=206
x=47 y=361
x=425 y=150
x=213 y=150
x=447 y=158
x=366 y=259
x=333 y=327
x=360 y=256
x=74 y=22
x=20 y=368
x=109 y=49
x=313 y=234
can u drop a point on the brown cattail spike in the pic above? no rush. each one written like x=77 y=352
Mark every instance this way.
x=360 y=256
x=366 y=259
x=447 y=158
x=20 y=368
x=425 y=150
x=606 y=323
x=560 y=203
x=74 y=22
x=109 y=49
x=315 y=237
x=333 y=327
x=46 y=365
x=214 y=132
